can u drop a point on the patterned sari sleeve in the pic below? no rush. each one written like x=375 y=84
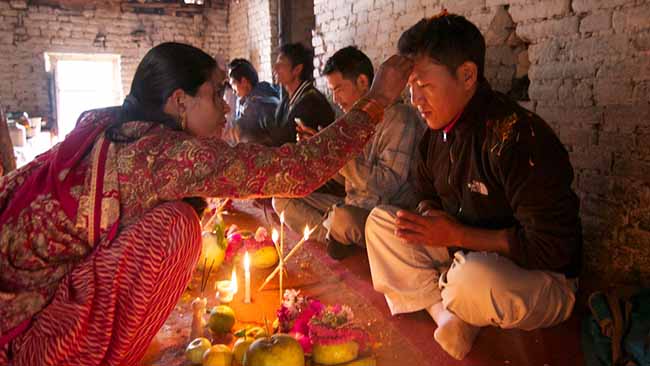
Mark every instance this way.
x=210 y=168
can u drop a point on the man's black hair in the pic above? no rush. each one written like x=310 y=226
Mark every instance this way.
x=300 y=55
x=351 y=63
x=448 y=39
x=241 y=68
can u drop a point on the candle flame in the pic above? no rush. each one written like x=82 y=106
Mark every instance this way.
x=247 y=262
x=275 y=236
x=306 y=233
x=282 y=217
x=233 y=282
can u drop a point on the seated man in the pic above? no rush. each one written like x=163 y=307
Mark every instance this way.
x=381 y=175
x=293 y=70
x=499 y=240
x=256 y=103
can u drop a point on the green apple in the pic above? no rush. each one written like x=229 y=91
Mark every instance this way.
x=240 y=347
x=364 y=361
x=196 y=348
x=217 y=355
x=264 y=257
x=277 y=350
x=332 y=354
x=213 y=248
x=256 y=332
x=222 y=319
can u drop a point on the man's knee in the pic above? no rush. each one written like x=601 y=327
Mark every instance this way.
x=348 y=224
x=380 y=220
x=475 y=269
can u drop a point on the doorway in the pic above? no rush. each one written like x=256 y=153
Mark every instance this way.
x=83 y=82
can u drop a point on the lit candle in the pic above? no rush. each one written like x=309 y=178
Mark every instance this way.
x=227 y=289
x=247 y=279
x=307 y=232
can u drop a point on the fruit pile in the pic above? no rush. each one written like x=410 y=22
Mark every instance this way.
x=308 y=332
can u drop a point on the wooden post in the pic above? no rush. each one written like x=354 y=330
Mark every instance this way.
x=8 y=159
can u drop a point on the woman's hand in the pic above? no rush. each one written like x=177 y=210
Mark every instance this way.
x=390 y=80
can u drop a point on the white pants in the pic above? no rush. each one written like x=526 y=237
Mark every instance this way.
x=480 y=288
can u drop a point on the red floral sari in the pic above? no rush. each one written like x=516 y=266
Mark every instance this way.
x=89 y=221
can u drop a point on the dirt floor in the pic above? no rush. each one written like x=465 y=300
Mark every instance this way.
x=401 y=340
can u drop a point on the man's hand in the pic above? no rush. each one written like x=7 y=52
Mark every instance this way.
x=304 y=133
x=432 y=228
x=425 y=206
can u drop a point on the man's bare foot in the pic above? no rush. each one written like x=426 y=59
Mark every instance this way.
x=454 y=335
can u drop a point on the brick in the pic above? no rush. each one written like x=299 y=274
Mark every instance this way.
x=462 y=6
x=626 y=167
x=539 y=9
x=632 y=19
x=532 y=32
x=544 y=90
x=626 y=118
x=596 y=22
x=592 y=159
x=613 y=47
x=613 y=91
x=583 y=6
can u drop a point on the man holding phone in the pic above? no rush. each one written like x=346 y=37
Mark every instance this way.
x=381 y=175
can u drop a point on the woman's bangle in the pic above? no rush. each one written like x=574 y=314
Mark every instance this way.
x=372 y=107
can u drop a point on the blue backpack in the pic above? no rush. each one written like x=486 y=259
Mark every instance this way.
x=617 y=331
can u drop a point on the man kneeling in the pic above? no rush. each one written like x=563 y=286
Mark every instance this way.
x=498 y=241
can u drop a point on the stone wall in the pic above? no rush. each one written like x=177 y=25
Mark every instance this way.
x=27 y=32
x=588 y=62
x=253 y=26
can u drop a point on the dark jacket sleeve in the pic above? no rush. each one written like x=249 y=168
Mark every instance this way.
x=424 y=172
x=536 y=174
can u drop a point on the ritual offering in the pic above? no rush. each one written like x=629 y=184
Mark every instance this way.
x=198 y=321
x=217 y=355
x=335 y=338
x=222 y=319
x=260 y=246
x=240 y=348
x=195 y=350
x=214 y=244
x=279 y=349
x=328 y=333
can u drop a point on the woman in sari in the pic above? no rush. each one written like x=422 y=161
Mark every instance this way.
x=99 y=236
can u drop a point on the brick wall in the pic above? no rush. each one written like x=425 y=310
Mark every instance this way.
x=588 y=62
x=254 y=33
x=27 y=32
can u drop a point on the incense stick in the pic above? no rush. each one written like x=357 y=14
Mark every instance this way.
x=291 y=253
x=205 y=283
x=205 y=264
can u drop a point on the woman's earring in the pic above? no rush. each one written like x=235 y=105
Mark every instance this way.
x=183 y=121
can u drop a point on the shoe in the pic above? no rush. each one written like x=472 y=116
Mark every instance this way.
x=339 y=251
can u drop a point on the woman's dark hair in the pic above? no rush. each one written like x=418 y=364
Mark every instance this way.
x=240 y=68
x=351 y=63
x=165 y=68
x=300 y=55
x=448 y=39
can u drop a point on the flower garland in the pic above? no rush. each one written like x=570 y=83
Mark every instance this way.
x=310 y=322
